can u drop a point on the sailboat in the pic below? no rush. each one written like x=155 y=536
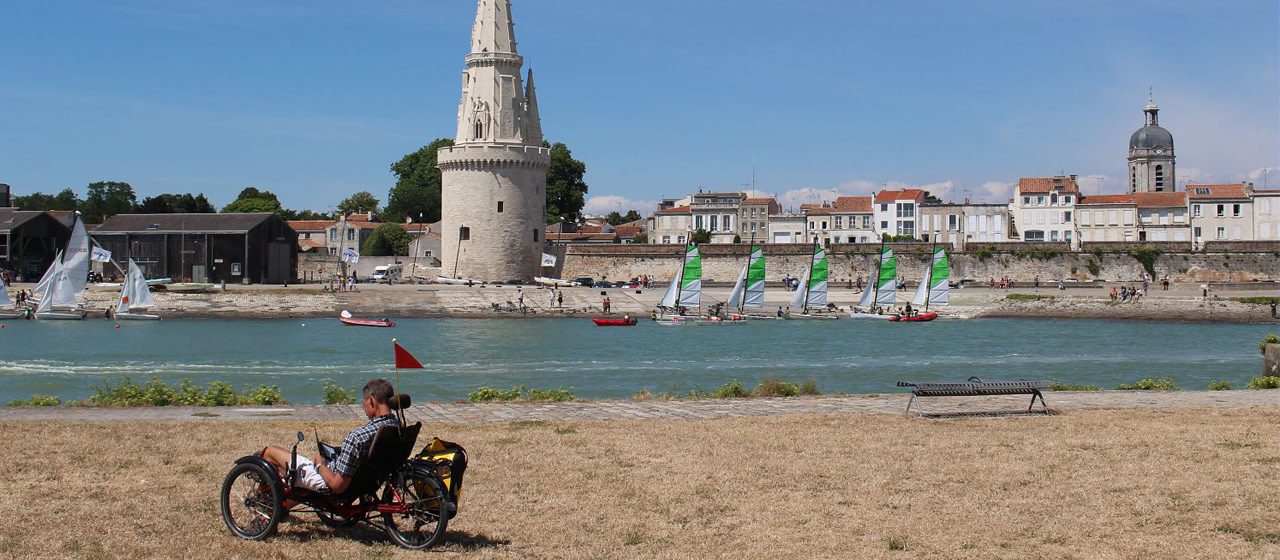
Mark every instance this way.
x=685 y=289
x=933 y=288
x=812 y=292
x=59 y=295
x=135 y=296
x=74 y=262
x=882 y=291
x=748 y=291
x=5 y=302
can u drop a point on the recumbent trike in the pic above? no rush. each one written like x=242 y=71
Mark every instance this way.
x=412 y=498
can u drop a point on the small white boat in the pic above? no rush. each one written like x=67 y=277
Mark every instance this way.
x=720 y=321
x=59 y=295
x=873 y=316
x=553 y=282
x=675 y=320
x=189 y=287
x=135 y=296
x=812 y=316
x=457 y=281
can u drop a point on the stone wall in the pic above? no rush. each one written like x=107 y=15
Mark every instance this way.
x=722 y=263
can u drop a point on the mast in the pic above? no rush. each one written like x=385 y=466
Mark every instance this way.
x=928 y=295
x=875 y=293
x=809 y=277
x=684 y=254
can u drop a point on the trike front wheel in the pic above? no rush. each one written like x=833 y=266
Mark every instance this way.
x=252 y=502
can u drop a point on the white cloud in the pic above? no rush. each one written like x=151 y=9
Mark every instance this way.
x=604 y=204
x=1263 y=177
x=993 y=191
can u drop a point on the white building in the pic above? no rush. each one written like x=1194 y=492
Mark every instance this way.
x=1221 y=212
x=957 y=224
x=895 y=211
x=1266 y=214
x=494 y=178
x=1044 y=208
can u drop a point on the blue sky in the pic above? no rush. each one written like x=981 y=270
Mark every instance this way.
x=314 y=99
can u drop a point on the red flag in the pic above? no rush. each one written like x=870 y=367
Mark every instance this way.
x=405 y=360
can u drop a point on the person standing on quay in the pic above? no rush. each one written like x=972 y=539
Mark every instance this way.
x=560 y=298
x=605 y=305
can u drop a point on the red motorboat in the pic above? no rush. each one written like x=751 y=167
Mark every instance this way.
x=613 y=322
x=917 y=318
x=347 y=319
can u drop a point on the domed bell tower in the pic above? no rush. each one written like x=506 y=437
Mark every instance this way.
x=1151 y=155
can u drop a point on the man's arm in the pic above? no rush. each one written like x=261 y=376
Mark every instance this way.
x=336 y=482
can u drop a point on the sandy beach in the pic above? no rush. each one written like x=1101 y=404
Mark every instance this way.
x=1080 y=301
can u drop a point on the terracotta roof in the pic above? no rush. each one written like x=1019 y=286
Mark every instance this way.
x=676 y=210
x=309 y=244
x=818 y=211
x=361 y=224
x=1161 y=199
x=1106 y=199
x=310 y=225
x=628 y=231
x=1230 y=191
x=903 y=194
x=420 y=228
x=758 y=201
x=1045 y=185
x=853 y=204
x=1266 y=191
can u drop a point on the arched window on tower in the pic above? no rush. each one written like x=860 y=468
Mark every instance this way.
x=479 y=130
x=1133 y=179
x=1159 y=177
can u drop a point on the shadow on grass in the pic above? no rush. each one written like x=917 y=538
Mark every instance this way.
x=987 y=414
x=304 y=531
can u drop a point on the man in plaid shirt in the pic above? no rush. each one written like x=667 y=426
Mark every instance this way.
x=315 y=474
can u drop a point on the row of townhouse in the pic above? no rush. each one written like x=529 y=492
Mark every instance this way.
x=330 y=237
x=1053 y=209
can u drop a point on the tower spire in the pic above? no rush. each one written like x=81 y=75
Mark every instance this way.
x=493 y=31
x=533 y=135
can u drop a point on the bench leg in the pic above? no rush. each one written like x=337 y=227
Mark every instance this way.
x=1033 y=402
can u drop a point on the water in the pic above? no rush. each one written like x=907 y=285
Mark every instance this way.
x=69 y=358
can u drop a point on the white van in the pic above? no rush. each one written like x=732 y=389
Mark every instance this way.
x=388 y=274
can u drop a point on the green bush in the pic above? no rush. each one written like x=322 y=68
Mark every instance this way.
x=1150 y=384
x=158 y=393
x=555 y=395
x=1094 y=266
x=1271 y=338
x=1219 y=385
x=1266 y=382
x=730 y=390
x=1060 y=386
x=984 y=253
x=773 y=387
x=1147 y=256
x=1028 y=297
x=1255 y=300
x=810 y=387
x=37 y=400
x=334 y=394
x=488 y=394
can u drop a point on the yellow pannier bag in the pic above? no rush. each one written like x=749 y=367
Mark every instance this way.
x=449 y=460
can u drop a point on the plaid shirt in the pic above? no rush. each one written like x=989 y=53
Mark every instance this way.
x=357 y=444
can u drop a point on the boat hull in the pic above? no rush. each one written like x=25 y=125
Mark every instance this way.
x=6 y=315
x=871 y=316
x=136 y=317
x=921 y=318
x=59 y=316
x=809 y=317
x=613 y=322
x=366 y=322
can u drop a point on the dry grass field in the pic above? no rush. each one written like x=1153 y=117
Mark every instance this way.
x=1086 y=484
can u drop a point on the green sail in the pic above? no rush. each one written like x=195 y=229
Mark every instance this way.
x=888 y=270
x=941 y=268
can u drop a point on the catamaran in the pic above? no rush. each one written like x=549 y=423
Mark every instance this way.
x=135 y=296
x=684 y=292
x=812 y=292
x=59 y=296
x=748 y=291
x=882 y=290
x=933 y=288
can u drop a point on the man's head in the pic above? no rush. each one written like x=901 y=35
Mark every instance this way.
x=377 y=393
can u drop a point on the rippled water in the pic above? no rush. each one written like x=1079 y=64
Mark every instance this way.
x=68 y=358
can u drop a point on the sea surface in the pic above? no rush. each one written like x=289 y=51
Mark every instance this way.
x=69 y=358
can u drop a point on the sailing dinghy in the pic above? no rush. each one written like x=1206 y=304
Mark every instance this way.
x=685 y=290
x=882 y=292
x=812 y=293
x=933 y=290
x=135 y=297
x=58 y=296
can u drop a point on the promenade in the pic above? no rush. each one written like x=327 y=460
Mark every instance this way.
x=685 y=409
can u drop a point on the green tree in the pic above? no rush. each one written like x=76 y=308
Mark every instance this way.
x=252 y=200
x=566 y=191
x=617 y=218
x=613 y=218
x=389 y=239
x=363 y=201
x=176 y=204
x=106 y=199
x=700 y=236
x=417 y=189
x=641 y=238
x=311 y=215
x=631 y=216
x=40 y=202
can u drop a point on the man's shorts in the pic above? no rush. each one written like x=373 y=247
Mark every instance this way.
x=309 y=478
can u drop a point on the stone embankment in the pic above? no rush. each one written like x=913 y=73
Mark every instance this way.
x=1078 y=301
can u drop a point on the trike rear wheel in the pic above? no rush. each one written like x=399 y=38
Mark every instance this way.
x=252 y=501
x=427 y=509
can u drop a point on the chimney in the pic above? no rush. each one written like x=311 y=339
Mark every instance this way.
x=368 y=216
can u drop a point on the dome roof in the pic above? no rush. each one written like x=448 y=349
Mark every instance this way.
x=1151 y=137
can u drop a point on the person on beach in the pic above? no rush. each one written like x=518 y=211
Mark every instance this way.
x=605 y=305
x=859 y=283
x=993 y=283
x=317 y=475
x=1273 y=309
x=520 y=299
x=560 y=298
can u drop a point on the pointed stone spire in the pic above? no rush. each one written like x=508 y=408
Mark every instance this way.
x=533 y=135
x=493 y=31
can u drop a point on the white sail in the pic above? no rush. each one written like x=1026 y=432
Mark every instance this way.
x=735 y=297
x=122 y=302
x=76 y=259
x=47 y=279
x=46 y=296
x=922 y=292
x=62 y=291
x=139 y=292
x=802 y=291
x=4 y=297
x=813 y=287
x=867 y=294
x=671 y=298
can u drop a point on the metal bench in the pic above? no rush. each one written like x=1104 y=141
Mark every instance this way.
x=976 y=387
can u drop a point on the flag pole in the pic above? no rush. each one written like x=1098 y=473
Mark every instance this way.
x=399 y=408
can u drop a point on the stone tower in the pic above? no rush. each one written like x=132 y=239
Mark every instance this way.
x=494 y=177
x=1151 y=155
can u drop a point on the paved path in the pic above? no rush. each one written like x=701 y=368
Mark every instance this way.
x=472 y=413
